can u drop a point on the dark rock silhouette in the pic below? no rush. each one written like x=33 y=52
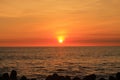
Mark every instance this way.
x=55 y=76
x=102 y=79
x=33 y=79
x=5 y=76
x=0 y=78
x=49 y=77
x=111 y=78
x=23 y=78
x=13 y=75
x=61 y=78
x=67 y=78
x=118 y=76
x=90 y=77
x=76 y=78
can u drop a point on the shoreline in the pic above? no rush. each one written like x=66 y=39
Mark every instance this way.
x=55 y=76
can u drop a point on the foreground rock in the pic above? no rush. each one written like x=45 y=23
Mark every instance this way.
x=55 y=76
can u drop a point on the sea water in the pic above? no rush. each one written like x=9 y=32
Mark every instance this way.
x=39 y=62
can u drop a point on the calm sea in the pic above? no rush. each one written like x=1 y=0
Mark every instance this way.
x=42 y=61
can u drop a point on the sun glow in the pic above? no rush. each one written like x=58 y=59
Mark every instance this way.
x=60 y=39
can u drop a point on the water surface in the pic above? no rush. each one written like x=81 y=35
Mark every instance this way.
x=39 y=62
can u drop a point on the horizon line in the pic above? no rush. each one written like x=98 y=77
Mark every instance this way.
x=65 y=46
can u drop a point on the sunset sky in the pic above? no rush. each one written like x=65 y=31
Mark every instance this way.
x=43 y=22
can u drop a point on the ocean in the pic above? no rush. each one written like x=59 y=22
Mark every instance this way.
x=39 y=62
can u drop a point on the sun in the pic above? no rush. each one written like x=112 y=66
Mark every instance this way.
x=60 y=39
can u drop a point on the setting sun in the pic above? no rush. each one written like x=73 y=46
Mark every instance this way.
x=60 y=39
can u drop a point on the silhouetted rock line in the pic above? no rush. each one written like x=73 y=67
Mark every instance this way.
x=55 y=76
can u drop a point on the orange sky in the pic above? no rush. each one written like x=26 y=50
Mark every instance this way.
x=41 y=22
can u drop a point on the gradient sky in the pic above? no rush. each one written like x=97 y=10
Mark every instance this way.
x=41 y=22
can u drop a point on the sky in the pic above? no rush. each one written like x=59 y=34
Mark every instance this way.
x=43 y=22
